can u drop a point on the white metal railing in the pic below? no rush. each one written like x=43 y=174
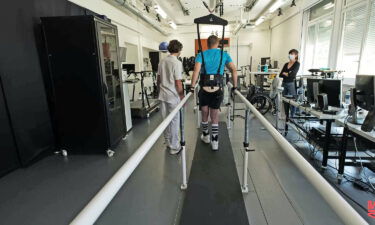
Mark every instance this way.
x=342 y=208
x=97 y=205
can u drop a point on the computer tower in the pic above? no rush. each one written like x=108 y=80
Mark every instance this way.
x=85 y=78
x=8 y=152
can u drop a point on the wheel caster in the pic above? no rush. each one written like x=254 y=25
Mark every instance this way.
x=64 y=153
x=183 y=186
x=110 y=153
x=245 y=189
x=148 y=115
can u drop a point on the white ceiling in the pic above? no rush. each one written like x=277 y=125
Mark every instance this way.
x=232 y=9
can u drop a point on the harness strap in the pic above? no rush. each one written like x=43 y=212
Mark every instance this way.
x=200 y=49
x=206 y=80
x=222 y=51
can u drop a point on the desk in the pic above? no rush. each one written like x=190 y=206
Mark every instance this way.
x=321 y=116
x=355 y=130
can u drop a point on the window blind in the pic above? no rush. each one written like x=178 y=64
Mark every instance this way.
x=310 y=47
x=368 y=54
x=324 y=32
x=354 y=28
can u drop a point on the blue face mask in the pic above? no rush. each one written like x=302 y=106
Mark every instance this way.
x=292 y=57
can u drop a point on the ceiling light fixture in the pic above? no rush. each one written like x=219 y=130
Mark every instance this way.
x=160 y=11
x=328 y=6
x=276 y=5
x=260 y=20
x=293 y=3
x=173 y=25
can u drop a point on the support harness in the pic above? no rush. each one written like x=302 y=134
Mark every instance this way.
x=211 y=80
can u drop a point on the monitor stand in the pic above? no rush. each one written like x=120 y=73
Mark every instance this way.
x=369 y=123
x=353 y=117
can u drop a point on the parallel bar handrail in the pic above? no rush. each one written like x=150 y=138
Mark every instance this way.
x=101 y=200
x=342 y=208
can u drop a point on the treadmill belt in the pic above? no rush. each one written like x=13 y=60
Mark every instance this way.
x=214 y=193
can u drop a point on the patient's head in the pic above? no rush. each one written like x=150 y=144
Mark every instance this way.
x=213 y=41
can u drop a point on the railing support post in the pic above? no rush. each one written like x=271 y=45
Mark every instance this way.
x=278 y=101
x=247 y=149
x=196 y=107
x=183 y=151
x=229 y=109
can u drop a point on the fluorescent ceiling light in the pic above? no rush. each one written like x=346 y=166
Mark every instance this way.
x=328 y=6
x=173 y=25
x=160 y=11
x=260 y=20
x=276 y=5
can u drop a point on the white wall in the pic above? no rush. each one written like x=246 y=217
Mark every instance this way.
x=286 y=34
x=253 y=43
x=132 y=54
x=130 y=29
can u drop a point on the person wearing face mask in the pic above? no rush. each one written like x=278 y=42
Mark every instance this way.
x=171 y=92
x=289 y=73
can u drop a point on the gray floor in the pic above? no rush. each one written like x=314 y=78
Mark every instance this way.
x=55 y=189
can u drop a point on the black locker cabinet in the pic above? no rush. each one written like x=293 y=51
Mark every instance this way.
x=8 y=151
x=85 y=83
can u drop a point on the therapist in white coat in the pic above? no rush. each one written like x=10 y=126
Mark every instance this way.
x=171 y=92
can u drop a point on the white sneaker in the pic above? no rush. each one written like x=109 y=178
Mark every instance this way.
x=205 y=138
x=214 y=144
x=174 y=151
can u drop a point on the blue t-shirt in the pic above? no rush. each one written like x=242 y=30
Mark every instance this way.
x=212 y=60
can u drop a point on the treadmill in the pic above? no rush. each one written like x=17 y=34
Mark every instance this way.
x=144 y=107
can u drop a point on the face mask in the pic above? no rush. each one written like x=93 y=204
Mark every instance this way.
x=292 y=57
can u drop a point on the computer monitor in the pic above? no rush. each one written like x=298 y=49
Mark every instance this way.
x=310 y=94
x=365 y=98
x=265 y=60
x=333 y=89
x=128 y=67
x=364 y=86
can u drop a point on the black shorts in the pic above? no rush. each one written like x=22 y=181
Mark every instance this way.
x=211 y=99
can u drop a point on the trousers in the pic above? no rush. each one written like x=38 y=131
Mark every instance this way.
x=290 y=90
x=171 y=136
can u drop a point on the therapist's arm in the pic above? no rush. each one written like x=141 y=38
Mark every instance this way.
x=179 y=88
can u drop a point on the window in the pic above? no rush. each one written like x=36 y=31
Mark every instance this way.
x=323 y=8
x=319 y=32
x=368 y=53
x=354 y=27
x=318 y=43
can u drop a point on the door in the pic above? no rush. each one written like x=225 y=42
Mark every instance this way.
x=112 y=81
x=8 y=151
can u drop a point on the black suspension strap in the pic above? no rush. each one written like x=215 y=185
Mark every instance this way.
x=200 y=49
x=222 y=51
